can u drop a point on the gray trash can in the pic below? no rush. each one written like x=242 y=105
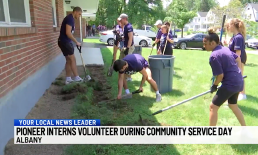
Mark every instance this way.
x=162 y=69
x=137 y=50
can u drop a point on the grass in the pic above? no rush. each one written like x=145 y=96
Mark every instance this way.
x=192 y=77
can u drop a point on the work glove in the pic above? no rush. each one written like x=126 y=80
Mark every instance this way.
x=153 y=44
x=126 y=51
x=214 y=88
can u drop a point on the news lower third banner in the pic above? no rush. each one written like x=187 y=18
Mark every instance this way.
x=86 y=131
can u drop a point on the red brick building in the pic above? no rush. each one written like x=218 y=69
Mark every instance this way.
x=29 y=55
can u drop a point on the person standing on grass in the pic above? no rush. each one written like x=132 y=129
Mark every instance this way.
x=165 y=37
x=128 y=39
x=132 y=64
x=225 y=67
x=65 y=43
x=168 y=25
x=237 y=45
x=159 y=33
x=118 y=31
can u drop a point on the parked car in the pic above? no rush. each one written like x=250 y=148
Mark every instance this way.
x=146 y=31
x=190 y=41
x=108 y=37
x=251 y=42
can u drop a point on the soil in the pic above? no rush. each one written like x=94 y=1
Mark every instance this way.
x=56 y=103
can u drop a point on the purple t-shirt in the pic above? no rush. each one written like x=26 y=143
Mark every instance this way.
x=69 y=20
x=237 y=43
x=127 y=29
x=222 y=61
x=119 y=29
x=135 y=63
x=158 y=36
x=163 y=40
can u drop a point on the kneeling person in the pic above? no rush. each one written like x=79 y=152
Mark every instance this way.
x=132 y=64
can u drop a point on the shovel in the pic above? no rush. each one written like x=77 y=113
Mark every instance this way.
x=87 y=77
x=126 y=96
x=110 y=70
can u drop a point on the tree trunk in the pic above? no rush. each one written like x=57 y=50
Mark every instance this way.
x=182 y=33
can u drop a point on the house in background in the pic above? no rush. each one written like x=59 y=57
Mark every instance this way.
x=30 y=58
x=198 y=23
x=251 y=12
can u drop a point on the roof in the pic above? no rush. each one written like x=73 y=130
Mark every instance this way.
x=203 y=14
x=254 y=5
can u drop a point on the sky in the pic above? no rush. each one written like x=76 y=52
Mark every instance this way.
x=221 y=2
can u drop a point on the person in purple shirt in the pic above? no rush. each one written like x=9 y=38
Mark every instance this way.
x=165 y=38
x=237 y=44
x=128 y=39
x=131 y=64
x=65 y=43
x=159 y=33
x=225 y=67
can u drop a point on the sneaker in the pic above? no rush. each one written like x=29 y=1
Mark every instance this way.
x=129 y=79
x=87 y=78
x=69 y=82
x=78 y=79
x=158 y=97
x=241 y=97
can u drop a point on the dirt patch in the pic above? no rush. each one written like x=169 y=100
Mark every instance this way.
x=56 y=103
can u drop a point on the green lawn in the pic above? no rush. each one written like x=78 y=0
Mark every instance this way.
x=192 y=77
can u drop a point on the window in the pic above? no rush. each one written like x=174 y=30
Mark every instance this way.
x=54 y=13
x=14 y=13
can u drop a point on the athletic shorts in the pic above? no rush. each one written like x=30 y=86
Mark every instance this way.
x=223 y=94
x=168 y=50
x=243 y=58
x=66 y=47
x=122 y=55
x=116 y=43
x=158 y=46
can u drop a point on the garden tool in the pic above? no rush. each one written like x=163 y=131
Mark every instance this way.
x=87 y=77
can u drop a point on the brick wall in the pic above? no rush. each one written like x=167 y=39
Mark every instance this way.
x=23 y=51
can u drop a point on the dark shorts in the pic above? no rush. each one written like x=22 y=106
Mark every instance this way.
x=168 y=50
x=66 y=47
x=243 y=58
x=158 y=45
x=223 y=94
x=116 y=43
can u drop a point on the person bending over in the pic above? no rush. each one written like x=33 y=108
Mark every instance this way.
x=225 y=67
x=132 y=64
x=166 y=37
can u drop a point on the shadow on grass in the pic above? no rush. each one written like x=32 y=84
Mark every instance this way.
x=249 y=111
x=116 y=113
x=245 y=148
x=251 y=64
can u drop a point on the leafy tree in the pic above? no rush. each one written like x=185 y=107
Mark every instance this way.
x=178 y=13
x=248 y=1
x=233 y=10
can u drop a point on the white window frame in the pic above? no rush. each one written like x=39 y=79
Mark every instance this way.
x=54 y=8
x=8 y=22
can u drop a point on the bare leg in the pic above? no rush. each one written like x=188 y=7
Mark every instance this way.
x=73 y=65
x=150 y=80
x=68 y=69
x=242 y=71
x=213 y=114
x=125 y=83
x=238 y=113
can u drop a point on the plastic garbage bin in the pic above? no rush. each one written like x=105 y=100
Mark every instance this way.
x=162 y=69
x=137 y=50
